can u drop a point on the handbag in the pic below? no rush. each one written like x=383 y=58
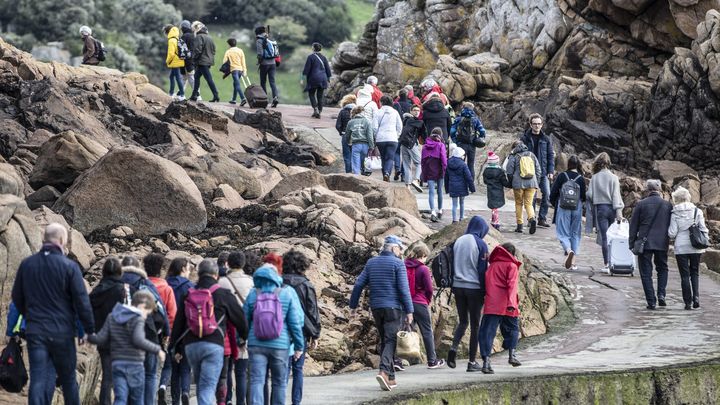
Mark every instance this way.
x=698 y=239
x=639 y=245
x=373 y=160
x=408 y=344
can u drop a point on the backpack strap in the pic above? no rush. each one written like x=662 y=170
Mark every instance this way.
x=237 y=292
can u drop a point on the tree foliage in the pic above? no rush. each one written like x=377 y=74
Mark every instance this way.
x=288 y=33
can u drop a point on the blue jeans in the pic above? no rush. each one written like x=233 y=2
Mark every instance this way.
x=604 y=216
x=455 y=202
x=128 y=382
x=204 y=71
x=50 y=357
x=347 y=156
x=179 y=379
x=359 y=153
x=237 y=90
x=176 y=77
x=206 y=361
x=509 y=328
x=387 y=155
x=432 y=186
x=296 y=366
x=568 y=228
x=151 y=381
x=260 y=358
x=544 y=186
x=398 y=161
x=241 y=375
x=267 y=73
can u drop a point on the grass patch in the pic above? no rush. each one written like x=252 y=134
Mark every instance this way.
x=362 y=12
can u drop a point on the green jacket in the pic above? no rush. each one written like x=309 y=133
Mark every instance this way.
x=359 y=130
x=203 y=49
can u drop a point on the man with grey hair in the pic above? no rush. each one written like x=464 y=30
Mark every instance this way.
x=386 y=277
x=89 y=49
x=649 y=240
x=50 y=293
x=371 y=84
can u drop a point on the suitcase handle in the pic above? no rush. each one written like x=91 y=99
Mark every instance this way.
x=245 y=80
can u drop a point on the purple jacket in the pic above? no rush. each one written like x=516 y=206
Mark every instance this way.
x=420 y=282
x=434 y=160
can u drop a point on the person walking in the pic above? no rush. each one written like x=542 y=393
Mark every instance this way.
x=109 y=291
x=435 y=115
x=523 y=168
x=434 y=165
x=501 y=307
x=496 y=180
x=203 y=53
x=459 y=183
x=402 y=105
x=386 y=277
x=413 y=130
x=430 y=86
x=316 y=75
x=50 y=293
x=238 y=69
x=410 y=92
x=464 y=131
x=387 y=126
x=371 y=84
x=188 y=71
x=365 y=100
x=470 y=262
x=265 y=49
x=685 y=215
x=541 y=146
x=270 y=341
x=421 y=293
x=346 y=106
x=89 y=49
x=173 y=62
x=360 y=137
x=607 y=203
x=205 y=350
x=649 y=227
x=568 y=197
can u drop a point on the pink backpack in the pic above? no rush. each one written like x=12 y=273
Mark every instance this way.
x=200 y=311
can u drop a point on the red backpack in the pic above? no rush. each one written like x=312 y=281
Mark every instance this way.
x=200 y=311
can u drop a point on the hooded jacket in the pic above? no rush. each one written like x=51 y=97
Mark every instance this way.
x=387 y=124
x=513 y=168
x=157 y=323
x=167 y=296
x=477 y=125
x=545 y=153
x=236 y=56
x=495 y=180
x=108 y=292
x=402 y=105
x=365 y=100
x=308 y=300
x=412 y=98
x=172 y=60
x=434 y=160
x=125 y=334
x=359 y=130
x=267 y=280
x=501 y=284
x=434 y=114
x=180 y=286
x=642 y=222
x=317 y=71
x=89 y=51
x=189 y=38
x=344 y=118
x=436 y=89
x=682 y=218
x=386 y=276
x=421 y=291
x=375 y=93
x=458 y=179
x=203 y=50
x=471 y=252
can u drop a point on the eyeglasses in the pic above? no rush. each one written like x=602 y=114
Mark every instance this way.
x=535 y=124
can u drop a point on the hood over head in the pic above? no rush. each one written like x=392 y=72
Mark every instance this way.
x=122 y=314
x=266 y=278
x=467 y=112
x=520 y=148
x=500 y=254
x=477 y=227
x=173 y=33
x=432 y=145
x=455 y=163
x=434 y=105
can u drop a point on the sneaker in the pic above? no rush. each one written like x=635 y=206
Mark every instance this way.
x=161 y=395
x=393 y=384
x=574 y=267
x=232 y=102
x=398 y=366
x=242 y=103
x=185 y=398
x=439 y=214
x=696 y=303
x=605 y=270
x=193 y=98
x=180 y=98
x=451 y=358
x=543 y=223
x=661 y=302
x=473 y=367
x=533 y=226
x=569 y=259
x=275 y=102
x=436 y=364
x=199 y=98
x=396 y=177
x=382 y=379
x=519 y=228
x=416 y=186
x=433 y=218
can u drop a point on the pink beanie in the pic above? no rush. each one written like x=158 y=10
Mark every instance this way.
x=493 y=158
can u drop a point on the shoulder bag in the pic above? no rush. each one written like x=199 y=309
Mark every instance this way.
x=639 y=245
x=698 y=239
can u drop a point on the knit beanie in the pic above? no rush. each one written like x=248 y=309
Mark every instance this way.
x=493 y=158
x=458 y=152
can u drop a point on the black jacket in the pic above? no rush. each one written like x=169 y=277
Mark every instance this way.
x=436 y=115
x=103 y=298
x=342 y=120
x=560 y=179
x=642 y=224
x=226 y=307
x=203 y=50
x=496 y=180
x=545 y=153
x=403 y=106
x=189 y=39
x=413 y=128
x=308 y=299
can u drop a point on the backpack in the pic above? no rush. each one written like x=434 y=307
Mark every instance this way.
x=527 y=167
x=13 y=375
x=268 y=315
x=407 y=137
x=312 y=325
x=200 y=311
x=270 y=49
x=159 y=316
x=570 y=194
x=443 y=270
x=465 y=131
x=99 y=50
x=183 y=51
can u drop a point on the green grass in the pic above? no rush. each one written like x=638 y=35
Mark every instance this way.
x=362 y=12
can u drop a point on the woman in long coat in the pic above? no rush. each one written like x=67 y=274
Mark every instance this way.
x=317 y=75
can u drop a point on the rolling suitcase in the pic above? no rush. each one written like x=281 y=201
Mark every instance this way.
x=256 y=96
x=622 y=259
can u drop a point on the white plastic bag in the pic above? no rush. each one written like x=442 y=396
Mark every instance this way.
x=618 y=231
x=373 y=163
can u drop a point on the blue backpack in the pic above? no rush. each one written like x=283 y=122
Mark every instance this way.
x=270 y=49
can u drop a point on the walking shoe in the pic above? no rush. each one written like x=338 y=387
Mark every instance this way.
x=242 y=103
x=161 y=395
x=275 y=102
x=486 y=367
x=688 y=307
x=416 y=186
x=650 y=307
x=386 y=178
x=533 y=226
x=605 y=270
x=661 y=302
x=316 y=113
x=439 y=214
x=574 y=267
x=193 y=98
x=519 y=228
x=199 y=98
x=512 y=359
x=382 y=379
x=569 y=259
x=451 y=358
x=396 y=177
x=433 y=218
x=393 y=383
x=398 y=365
x=696 y=303
x=180 y=98
x=185 y=398
x=473 y=367
x=367 y=173
x=215 y=99
x=232 y=102
x=437 y=363
x=543 y=223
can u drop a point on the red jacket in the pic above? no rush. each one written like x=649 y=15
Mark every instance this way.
x=420 y=281
x=436 y=89
x=377 y=95
x=167 y=296
x=501 y=284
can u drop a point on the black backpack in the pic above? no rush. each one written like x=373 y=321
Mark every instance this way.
x=465 y=131
x=13 y=375
x=99 y=50
x=443 y=271
x=570 y=193
x=312 y=324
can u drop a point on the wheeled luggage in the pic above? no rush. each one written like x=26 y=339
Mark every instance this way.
x=256 y=96
x=620 y=256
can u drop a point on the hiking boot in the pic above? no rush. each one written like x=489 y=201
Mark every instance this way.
x=386 y=178
x=396 y=177
x=543 y=223
x=434 y=218
x=533 y=226
x=486 y=367
x=512 y=359
x=473 y=367
x=242 y=103
x=383 y=380
x=185 y=398
x=161 y=395
x=569 y=259
x=688 y=307
x=275 y=102
x=398 y=365
x=316 y=113
x=416 y=185
x=696 y=303
x=661 y=302
x=451 y=358
x=436 y=364
x=519 y=228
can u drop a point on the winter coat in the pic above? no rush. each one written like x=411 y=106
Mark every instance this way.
x=365 y=100
x=387 y=125
x=421 y=291
x=359 y=130
x=239 y=285
x=477 y=125
x=180 y=286
x=124 y=332
x=386 y=276
x=343 y=119
x=513 y=168
x=433 y=161
x=560 y=179
x=308 y=300
x=683 y=216
x=642 y=224
x=267 y=280
x=189 y=38
x=259 y=47
x=436 y=89
x=434 y=114
x=415 y=127
x=501 y=284
x=50 y=293
x=470 y=256
x=89 y=51
x=317 y=71
x=605 y=189
x=157 y=324
x=545 y=154
x=172 y=60
x=458 y=179
x=236 y=56
x=108 y=292
x=203 y=49
x=167 y=296
x=495 y=180
x=402 y=105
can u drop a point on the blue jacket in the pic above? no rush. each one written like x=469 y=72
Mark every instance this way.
x=49 y=291
x=387 y=277
x=180 y=286
x=267 y=280
x=545 y=153
x=317 y=71
x=458 y=179
x=136 y=277
x=476 y=123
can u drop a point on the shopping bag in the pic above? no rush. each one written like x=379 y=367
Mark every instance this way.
x=408 y=345
x=618 y=231
x=373 y=163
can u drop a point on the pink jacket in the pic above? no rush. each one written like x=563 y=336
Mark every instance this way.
x=501 y=284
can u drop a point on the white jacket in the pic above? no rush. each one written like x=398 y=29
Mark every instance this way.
x=387 y=124
x=364 y=100
x=238 y=283
x=680 y=222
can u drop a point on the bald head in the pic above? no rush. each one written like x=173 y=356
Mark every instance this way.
x=56 y=234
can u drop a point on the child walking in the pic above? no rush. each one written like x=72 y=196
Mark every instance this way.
x=458 y=182
x=495 y=180
x=434 y=164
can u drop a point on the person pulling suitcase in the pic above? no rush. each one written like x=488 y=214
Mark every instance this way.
x=256 y=96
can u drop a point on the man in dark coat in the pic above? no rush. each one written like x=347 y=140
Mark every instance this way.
x=203 y=53
x=651 y=220
x=188 y=71
x=435 y=115
x=541 y=145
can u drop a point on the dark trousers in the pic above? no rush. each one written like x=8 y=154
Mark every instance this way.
x=267 y=72
x=605 y=215
x=469 y=157
x=151 y=378
x=347 y=156
x=398 y=162
x=469 y=303
x=106 y=383
x=388 y=322
x=204 y=71
x=387 y=155
x=222 y=386
x=316 y=97
x=52 y=357
x=241 y=381
x=423 y=319
x=296 y=367
x=509 y=328
x=544 y=186
x=179 y=379
x=689 y=266
x=660 y=257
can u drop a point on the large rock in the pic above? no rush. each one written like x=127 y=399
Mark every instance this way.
x=131 y=187
x=227 y=198
x=78 y=248
x=299 y=181
x=710 y=191
x=377 y=194
x=10 y=181
x=264 y=121
x=668 y=171
x=12 y=134
x=46 y=195
x=213 y=169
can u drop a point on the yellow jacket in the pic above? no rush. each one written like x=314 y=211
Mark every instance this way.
x=236 y=56
x=173 y=60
